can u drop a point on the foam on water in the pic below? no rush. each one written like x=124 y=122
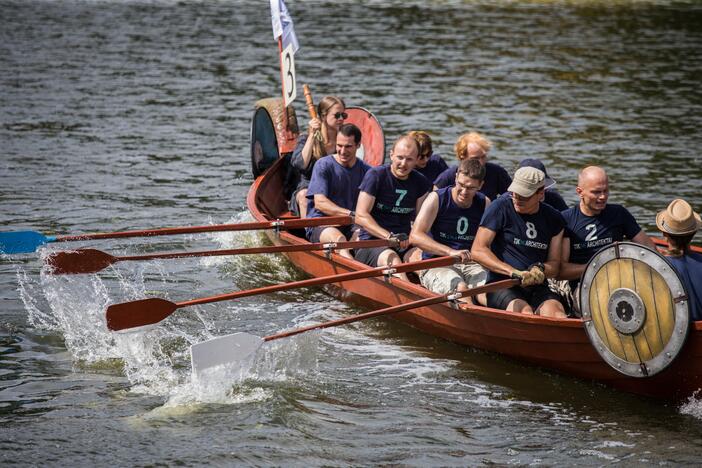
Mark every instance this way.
x=692 y=406
x=156 y=359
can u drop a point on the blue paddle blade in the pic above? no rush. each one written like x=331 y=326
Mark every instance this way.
x=22 y=241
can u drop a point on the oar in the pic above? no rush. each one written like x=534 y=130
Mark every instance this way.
x=91 y=260
x=235 y=348
x=28 y=241
x=149 y=311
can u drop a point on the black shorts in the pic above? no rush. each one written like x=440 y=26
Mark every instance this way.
x=370 y=255
x=533 y=295
x=314 y=233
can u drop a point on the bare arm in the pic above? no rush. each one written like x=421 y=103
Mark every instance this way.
x=568 y=270
x=364 y=205
x=643 y=239
x=328 y=207
x=553 y=260
x=420 y=202
x=306 y=152
x=482 y=254
x=422 y=224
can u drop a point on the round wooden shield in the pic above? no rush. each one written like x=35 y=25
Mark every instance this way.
x=635 y=308
x=372 y=149
x=264 y=144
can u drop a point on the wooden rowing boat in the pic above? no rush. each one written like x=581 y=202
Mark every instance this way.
x=561 y=345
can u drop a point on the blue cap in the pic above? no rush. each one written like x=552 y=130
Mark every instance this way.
x=536 y=163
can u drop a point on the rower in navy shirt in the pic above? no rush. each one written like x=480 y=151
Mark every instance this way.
x=551 y=195
x=519 y=236
x=594 y=224
x=473 y=145
x=679 y=224
x=333 y=188
x=446 y=225
x=429 y=164
x=389 y=199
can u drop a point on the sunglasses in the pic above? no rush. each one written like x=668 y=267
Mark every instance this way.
x=341 y=115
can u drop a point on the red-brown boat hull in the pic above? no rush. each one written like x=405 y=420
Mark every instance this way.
x=561 y=345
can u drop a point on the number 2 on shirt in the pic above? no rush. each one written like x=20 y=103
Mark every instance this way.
x=401 y=194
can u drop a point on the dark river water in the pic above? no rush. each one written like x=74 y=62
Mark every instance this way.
x=128 y=115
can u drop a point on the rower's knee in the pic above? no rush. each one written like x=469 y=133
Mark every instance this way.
x=551 y=308
x=520 y=305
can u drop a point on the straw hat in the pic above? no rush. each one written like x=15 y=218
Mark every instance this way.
x=526 y=181
x=678 y=219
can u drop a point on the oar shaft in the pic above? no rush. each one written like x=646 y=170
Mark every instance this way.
x=276 y=224
x=354 y=275
x=262 y=250
x=398 y=308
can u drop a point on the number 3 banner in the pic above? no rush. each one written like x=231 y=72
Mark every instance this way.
x=284 y=32
x=287 y=64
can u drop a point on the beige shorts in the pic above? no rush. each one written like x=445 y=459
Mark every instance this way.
x=445 y=280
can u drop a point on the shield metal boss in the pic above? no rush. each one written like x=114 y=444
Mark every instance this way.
x=635 y=308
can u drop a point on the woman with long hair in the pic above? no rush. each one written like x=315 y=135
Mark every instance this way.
x=332 y=113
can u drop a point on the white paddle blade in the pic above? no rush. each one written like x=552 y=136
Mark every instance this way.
x=229 y=350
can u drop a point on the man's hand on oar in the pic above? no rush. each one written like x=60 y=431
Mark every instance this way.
x=233 y=349
x=28 y=241
x=149 y=311
x=92 y=261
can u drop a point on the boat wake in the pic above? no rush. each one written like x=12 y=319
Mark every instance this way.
x=156 y=360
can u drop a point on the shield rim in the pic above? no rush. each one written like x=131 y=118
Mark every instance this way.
x=681 y=307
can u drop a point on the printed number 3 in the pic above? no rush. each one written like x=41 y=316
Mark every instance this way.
x=401 y=194
x=288 y=72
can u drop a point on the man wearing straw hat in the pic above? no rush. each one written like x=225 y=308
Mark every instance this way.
x=520 y=237
x=679 y=224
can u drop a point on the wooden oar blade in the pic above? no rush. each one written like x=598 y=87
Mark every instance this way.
x=22 y=241
x=79 y=261
x=138 y=313
x=230 y=350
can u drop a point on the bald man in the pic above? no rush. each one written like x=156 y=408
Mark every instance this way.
x=389 y=198
x=594 y=224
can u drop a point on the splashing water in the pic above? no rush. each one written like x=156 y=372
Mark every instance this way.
x=155 y=360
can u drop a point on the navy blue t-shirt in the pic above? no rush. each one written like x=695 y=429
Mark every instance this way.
x=588 y=234
x=435 y=166
x=689 y=267
x=553 y=198
x=455 y=226
x=496 y=180
x=520 y=239
x=395 y=200
x=338 y=183
x=297 y=161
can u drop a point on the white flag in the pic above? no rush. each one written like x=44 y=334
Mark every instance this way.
x=283 y=25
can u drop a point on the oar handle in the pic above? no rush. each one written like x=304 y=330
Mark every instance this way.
x=310 y=103
x=354 y=275
x=398 y=308
x=275 y=224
